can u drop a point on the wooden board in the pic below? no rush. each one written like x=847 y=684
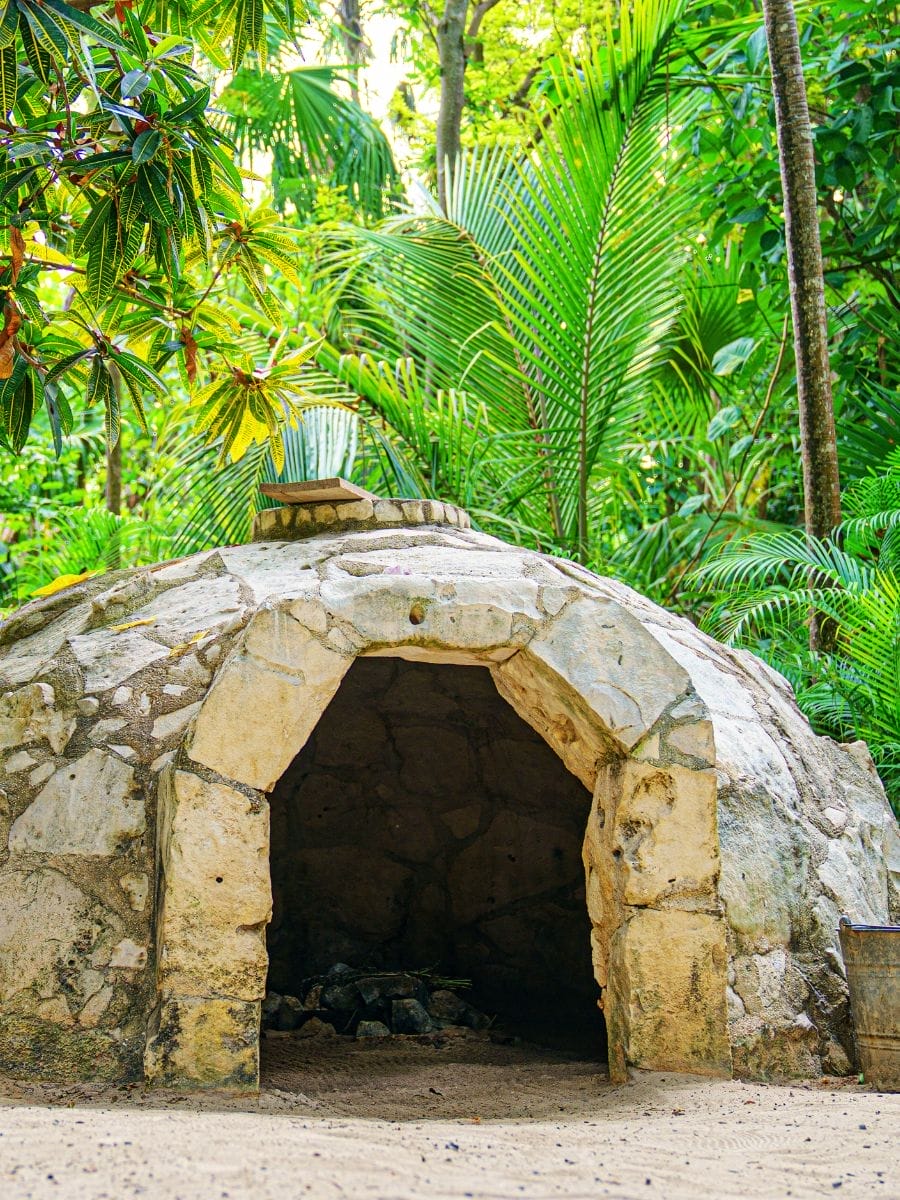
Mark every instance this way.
x=316 y=491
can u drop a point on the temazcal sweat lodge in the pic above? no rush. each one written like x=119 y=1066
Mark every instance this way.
x=379 y=737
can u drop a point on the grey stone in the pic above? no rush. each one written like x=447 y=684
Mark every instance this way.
x=270 y=1009
x=291 y=1013
x=377 y=988
x=342 y=998
x=88 y=807
x=108 y=657
x=447 y=1006
x=409 y=1016
x=315 y=1027
x=372 y=1029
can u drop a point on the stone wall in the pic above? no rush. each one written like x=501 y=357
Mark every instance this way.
x=707 y=883
x=425 y=825
x=121 y=671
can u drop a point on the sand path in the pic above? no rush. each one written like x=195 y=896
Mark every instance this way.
x=407 y=1121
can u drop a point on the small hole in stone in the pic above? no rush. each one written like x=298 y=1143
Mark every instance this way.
x=617 y=853
x=218 y=879
x=417 y=614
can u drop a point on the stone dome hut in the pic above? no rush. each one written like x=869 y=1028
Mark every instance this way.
x=151 y=719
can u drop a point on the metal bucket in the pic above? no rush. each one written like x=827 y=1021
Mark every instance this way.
x=872 y=958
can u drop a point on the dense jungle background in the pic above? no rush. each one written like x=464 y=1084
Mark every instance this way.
x=550 y=285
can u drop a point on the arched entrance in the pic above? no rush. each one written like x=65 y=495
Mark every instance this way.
x=612 y=704
x=425 y=826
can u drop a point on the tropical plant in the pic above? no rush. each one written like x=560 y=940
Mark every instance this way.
x=547 y=289
x=312 y=133
x=122 y=220
x=765 y=588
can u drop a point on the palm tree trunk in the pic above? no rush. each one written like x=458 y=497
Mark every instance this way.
x=821 y=480
x=450 y=34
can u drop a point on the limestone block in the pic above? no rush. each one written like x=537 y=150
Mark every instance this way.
x=45 y=921
x=25 y=656
x=664 y=834
x=190 y=671
x=420 y=610
x=217 y=898
x=101 y=731
x=434 y=562
x=136 y=888
x=128 y=955
x=202 y=1042
x=610 y=659
x=172 y=723
x=282 y=570
x=41 y=773
x=92 y=1013
x=695 y=741
x=29 y=715
x=266 y=701
x=770 y=986
x=718 y=685
x=108 y=657
x=666 y=1001
x=20 y=761
x=846 y=876
x=764 y=863
x=201 y=606
x=89 y=806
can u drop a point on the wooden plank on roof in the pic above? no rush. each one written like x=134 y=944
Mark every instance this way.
x=316 y=491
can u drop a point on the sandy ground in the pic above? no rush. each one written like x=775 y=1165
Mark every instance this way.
x=408 y=1120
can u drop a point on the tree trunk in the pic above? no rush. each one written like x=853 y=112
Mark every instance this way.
x=450 y=34
x=114 y=499
x=355 y=50
x=804 y=254
x=821 y=480
x=114 y=477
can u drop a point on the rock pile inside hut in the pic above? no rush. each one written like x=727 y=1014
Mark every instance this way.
x=372 y=1004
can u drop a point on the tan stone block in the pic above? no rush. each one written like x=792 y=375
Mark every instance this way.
x=555 y=711
x=201 y=1042
x=170 y=724
x=88 y=807
x=128 y=955
x=136 y=888
x=666 y=1003
x=664 y=834
x=695 y=740
x=217 y=898
x=426 y=610
x=90 y=1015
x=56 y=1010
x=45 y=921
x=29 y=715
x=612 y=662
x=266 y=701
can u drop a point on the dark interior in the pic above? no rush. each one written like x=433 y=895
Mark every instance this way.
x=425 y=825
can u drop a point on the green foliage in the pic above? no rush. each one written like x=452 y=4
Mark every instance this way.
x=313 y=135
x=123 y=223
x=547 y=291
x=765 y=588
